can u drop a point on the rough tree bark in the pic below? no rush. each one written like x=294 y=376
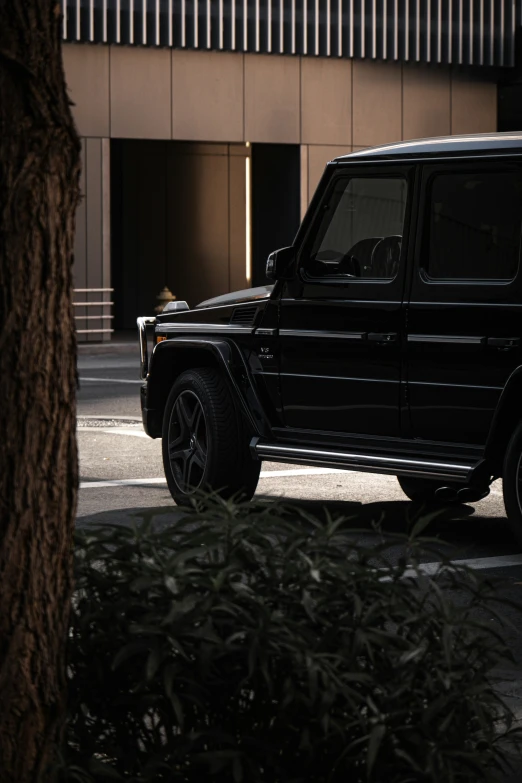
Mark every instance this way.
x=39 y=191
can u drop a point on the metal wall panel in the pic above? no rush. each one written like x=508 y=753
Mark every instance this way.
x=467 y=32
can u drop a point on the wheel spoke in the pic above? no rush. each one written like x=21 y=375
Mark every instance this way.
x=183 y=415
x=187 y=448
x=199 y=457
x=178 y=455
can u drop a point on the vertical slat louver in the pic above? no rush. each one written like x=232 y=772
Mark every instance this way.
x=464 y=32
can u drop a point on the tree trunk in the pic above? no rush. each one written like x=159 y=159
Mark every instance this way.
x=39 y=191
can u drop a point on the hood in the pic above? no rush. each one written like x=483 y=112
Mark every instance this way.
x=248 y=295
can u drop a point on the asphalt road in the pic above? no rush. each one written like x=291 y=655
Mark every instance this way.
x=122 y=476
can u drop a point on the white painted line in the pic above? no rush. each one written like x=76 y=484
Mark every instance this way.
x=121 y=483
x=139 y=482
x=108 y=380
x=115 y=417
x=300 y=472
x=477 y=564
x=137 y=433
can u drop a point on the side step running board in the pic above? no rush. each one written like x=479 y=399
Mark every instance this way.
x=371 y=463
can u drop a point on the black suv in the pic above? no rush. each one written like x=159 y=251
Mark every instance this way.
x=390 y=341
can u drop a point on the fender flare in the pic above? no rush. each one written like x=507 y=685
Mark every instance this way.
x=500 y=430
x=226 y=355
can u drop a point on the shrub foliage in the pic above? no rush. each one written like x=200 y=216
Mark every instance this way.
x=259 y=643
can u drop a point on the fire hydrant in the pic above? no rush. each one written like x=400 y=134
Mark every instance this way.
x=164 y=296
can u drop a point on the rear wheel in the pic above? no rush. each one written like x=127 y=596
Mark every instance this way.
x=205 y=442
x=512 y=482
x=436 y=492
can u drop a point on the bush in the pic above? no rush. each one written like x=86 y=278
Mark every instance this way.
x=258 y=643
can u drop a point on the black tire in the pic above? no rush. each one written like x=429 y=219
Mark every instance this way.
x=205 y=442
x=512 y=482
x=424 y=491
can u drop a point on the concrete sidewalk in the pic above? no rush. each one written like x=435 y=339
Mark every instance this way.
x=125 y=342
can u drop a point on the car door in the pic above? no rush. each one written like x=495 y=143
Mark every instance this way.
x=465 y=313
x=341 y=319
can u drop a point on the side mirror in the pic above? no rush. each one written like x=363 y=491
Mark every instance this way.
x=279 y=264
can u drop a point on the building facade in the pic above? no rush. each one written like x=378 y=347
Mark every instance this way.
x=206 y=124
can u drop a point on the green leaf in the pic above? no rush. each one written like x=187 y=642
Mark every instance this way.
x=153 y=662
x=376 y=736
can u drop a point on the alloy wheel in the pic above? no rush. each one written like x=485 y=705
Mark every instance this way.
x=187 y=442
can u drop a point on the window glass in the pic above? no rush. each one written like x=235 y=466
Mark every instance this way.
x=474 y=226
x=360 y=233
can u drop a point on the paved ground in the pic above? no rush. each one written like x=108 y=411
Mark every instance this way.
x=122 y=475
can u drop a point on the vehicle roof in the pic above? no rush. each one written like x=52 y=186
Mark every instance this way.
x=482 y=143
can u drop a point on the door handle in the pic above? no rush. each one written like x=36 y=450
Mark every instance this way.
x=503 y=343
x=380 y=338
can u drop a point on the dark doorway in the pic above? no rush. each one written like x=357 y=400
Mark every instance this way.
x=275 y=202
x=178 y=219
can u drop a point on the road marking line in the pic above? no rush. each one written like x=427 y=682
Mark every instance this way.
x=108 y=380
x=139 y=482
x=476 y=563
x=300 y=472
x=121 y=483
x=137 y=433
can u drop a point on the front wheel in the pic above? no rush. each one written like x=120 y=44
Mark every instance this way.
x=205 y=442
x=512 y=482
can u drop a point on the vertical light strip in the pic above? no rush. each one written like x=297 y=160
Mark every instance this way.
x=384 y=29
x=233 y=26
x=512 y=36
x=396 y=31
x=248 y=220
x=328 y=28
x=269 y=25
x=417 y=33
x=245 y=26
x=351 y=31
x=439 y=31
x=450 y=31
x=374 y=29
x=305 y=27
x=157 y=31
x=220 y=24
x=470 y=32
x=281 y=27
x=144 y=22
x=170 y=26
x=196 y=23
x=363 y=29
x=64 y=20
x=209 y=26
x=104 y=21
x=340 y=28
x=407 y=30
x=316 y=27
x=131 y=21
x=502 y=33
x=91 y=20
x=461 y=30
x=293 y=27
x=257 y=25
x=492 y=32
x=78 y=17
x=481 y=33
x=118 y=21
x=428 y=33
x=183 y=23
